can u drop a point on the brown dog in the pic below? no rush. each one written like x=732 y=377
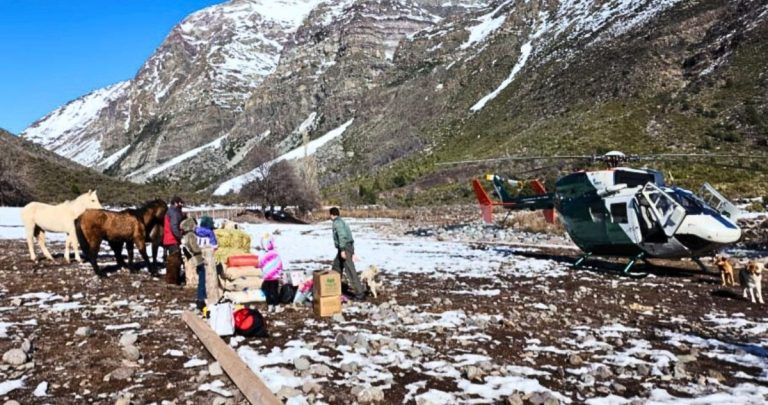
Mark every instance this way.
x=726 y=270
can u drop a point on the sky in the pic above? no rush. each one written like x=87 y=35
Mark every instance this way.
x=54 y=51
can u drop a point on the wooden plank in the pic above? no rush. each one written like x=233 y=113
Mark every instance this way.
x=246 y=380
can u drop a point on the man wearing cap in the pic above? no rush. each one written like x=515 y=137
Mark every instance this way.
x=172 y=240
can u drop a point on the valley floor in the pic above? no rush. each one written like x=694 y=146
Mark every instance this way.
x=457 y=322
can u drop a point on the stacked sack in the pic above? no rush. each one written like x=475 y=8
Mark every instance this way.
x=231 y=242
x=241 y=279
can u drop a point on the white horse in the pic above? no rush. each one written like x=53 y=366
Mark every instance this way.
x=39 y=218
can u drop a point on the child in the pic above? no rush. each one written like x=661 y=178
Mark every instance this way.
x=204 y=233
x=271 y=266
x=194 y=254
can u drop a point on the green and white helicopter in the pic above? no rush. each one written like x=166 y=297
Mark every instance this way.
x=624 y=212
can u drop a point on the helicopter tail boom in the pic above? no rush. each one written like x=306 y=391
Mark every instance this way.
x=542 y=200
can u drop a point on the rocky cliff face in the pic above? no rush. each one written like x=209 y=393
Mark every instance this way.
x=375 y=82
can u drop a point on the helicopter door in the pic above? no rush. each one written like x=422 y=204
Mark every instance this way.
x=667 y=211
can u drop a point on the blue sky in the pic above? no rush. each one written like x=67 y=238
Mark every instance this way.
x=53 y=51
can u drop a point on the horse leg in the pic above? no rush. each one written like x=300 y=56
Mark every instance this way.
x=129 y=246
x=72 y=240
x=142 y=245
x=30 y=241
x=117 y=247
x=41 y=243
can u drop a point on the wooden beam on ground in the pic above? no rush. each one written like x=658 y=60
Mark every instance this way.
x=246 y=380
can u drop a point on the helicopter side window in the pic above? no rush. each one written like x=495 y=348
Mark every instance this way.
x=619 y=213
x=597 y=211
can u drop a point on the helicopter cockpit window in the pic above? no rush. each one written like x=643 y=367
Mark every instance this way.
x=691 y=204
x=619 y=213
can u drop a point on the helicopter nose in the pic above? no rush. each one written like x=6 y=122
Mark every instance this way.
x=713 y=228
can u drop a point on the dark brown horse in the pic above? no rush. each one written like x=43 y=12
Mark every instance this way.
x=152 y=214
x=130 y=227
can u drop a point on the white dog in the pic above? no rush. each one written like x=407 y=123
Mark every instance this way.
x=368 y=277
x=751 y=280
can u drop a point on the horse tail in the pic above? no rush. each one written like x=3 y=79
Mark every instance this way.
x=81 y=240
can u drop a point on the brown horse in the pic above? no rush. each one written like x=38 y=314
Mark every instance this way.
x=152 y=214
x=130 y=227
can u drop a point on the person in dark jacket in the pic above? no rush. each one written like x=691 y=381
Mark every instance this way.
x=172 y=240
x=345 y=246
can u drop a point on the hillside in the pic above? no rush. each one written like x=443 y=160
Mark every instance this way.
x=406 y=84
x=51 y=178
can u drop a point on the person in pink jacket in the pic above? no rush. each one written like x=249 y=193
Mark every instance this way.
x=271 y=267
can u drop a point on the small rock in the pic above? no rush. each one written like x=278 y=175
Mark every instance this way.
x=619 y=388
x=131 y=353
x=128 y=338
x=514 y=399
x=301 y=363
x=288 y=392
x=338 y=318
x=11 y=402
x=370 y=394
x=26 y=345
x=15 y=357
x=320 y=370
x=716 y=375
x=643 y=370
x=311 y=387
x=575 y=360
x=215 y=369
x=679 y=371
x=344 y=339
x=350 y=367
x=122 y=373
x=473 y=373
x=686 y=358
x=84 y=331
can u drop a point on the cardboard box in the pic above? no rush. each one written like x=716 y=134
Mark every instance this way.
x=327 y=306
x=327 y=283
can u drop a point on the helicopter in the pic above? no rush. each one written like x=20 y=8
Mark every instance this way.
x=623 y=211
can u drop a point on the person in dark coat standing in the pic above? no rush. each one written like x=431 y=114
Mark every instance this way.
x=172 y=240
x=345 y=246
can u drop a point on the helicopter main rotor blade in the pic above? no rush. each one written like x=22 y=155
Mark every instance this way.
x=501 y=159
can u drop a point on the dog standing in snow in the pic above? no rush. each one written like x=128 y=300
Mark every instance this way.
x=726 y=270
x=368 y=277
x=751 y=280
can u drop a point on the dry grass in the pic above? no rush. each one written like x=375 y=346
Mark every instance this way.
x=532 y=221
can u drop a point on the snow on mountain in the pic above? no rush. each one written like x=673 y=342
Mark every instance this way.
x=235 y=184
x=60 y=131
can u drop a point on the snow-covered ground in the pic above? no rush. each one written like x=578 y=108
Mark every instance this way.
x=445 y=341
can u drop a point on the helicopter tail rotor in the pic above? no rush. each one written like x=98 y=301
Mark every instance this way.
x=486 y=205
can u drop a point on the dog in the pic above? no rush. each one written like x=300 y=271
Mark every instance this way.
x=726 y=270
x=751 y=279
x=368 y=277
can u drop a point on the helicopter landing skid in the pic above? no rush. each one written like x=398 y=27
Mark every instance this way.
x=628 y=267
x=625 y=272
x=581 y=259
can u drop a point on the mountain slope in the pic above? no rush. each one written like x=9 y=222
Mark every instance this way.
x=425 y=81
x=51 y=178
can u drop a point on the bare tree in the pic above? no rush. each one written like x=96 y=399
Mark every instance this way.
x=276 y=184
x=14 y=182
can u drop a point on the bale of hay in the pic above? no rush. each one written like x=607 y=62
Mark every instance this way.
x=241 y=283
x=242 y=297
x=233 y=238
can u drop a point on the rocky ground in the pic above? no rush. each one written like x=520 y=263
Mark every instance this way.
x=544 y=335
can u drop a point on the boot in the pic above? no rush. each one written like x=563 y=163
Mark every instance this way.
x=172 y=268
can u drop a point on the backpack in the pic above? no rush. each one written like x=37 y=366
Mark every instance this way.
x=250 y=323
x=287 y=292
